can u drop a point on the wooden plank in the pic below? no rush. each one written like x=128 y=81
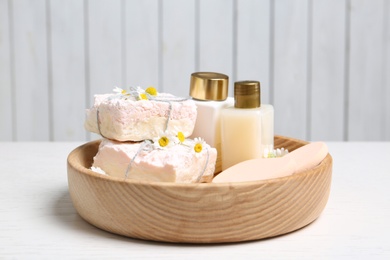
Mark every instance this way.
x=178 y=41
x=253 y=43
x=387 y=72
x=142 y=43
x=68 y=74
x=215 y=21
x=290 y=67
x=104 y=48
x=366 y=88
x=6 y=110
x=31 y=71
x=104 y=45
x=328 y=70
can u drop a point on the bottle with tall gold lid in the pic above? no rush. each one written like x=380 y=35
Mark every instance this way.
x=209 y=90
x=247 y=128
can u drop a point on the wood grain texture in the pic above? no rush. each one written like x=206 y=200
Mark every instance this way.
x=104 y=45
x=386 y=68
x=253 y=44
x=290 y=68
x=198 y=213
x=68 y=69
x=6 y=109
x=366 y=75
x=216 y=37
x=327 y=70
x=32 y=110
x=178 y=44
x=142 y=44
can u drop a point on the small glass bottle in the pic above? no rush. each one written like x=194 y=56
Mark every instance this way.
x=209 y=90
x=247 y=128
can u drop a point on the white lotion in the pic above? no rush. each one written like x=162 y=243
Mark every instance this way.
x=247 y=129
x=209 y=91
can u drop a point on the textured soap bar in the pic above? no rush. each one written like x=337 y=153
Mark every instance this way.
x=177 y=163
x=125 y=119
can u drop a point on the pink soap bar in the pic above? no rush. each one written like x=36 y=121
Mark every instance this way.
x=174 y=164
x=303 y=158
x=256 y=170
x=308 y=156
x=127 y=119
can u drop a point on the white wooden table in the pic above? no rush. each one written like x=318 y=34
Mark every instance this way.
x=38 y=221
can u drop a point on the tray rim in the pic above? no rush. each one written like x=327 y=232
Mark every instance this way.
x=93 y=174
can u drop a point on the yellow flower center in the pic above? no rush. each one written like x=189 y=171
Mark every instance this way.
x=181 y=137
x=123 y=92
x=163 y=141
x=271 y=155
x=151 y=91
x=198 y=147
x=143 y=96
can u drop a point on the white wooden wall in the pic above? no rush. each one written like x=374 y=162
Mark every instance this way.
x=323 y=64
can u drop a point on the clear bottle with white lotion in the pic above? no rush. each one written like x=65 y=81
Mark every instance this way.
x=247 y=128
x=209 y=90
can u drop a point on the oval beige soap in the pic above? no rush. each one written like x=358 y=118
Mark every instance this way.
x=301 y=159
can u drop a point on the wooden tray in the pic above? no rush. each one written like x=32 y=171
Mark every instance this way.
x=198 y=213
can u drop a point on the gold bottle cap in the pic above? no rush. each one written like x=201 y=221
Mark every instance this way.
x=209 y=86
x=247 y=94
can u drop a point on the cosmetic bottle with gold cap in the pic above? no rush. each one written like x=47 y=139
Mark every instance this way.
x=209 y=90
x=247 y=128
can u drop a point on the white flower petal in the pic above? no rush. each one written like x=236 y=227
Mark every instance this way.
x=117 y=90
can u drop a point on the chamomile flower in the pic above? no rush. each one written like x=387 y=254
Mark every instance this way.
x=274 y=153
x=139 y=93
x=151 y=91
x=163 y=141
x=197 y=146
x=120 y=91
x=269 y=153
x=180 y=137
x=143 y=96
x=281 y=152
